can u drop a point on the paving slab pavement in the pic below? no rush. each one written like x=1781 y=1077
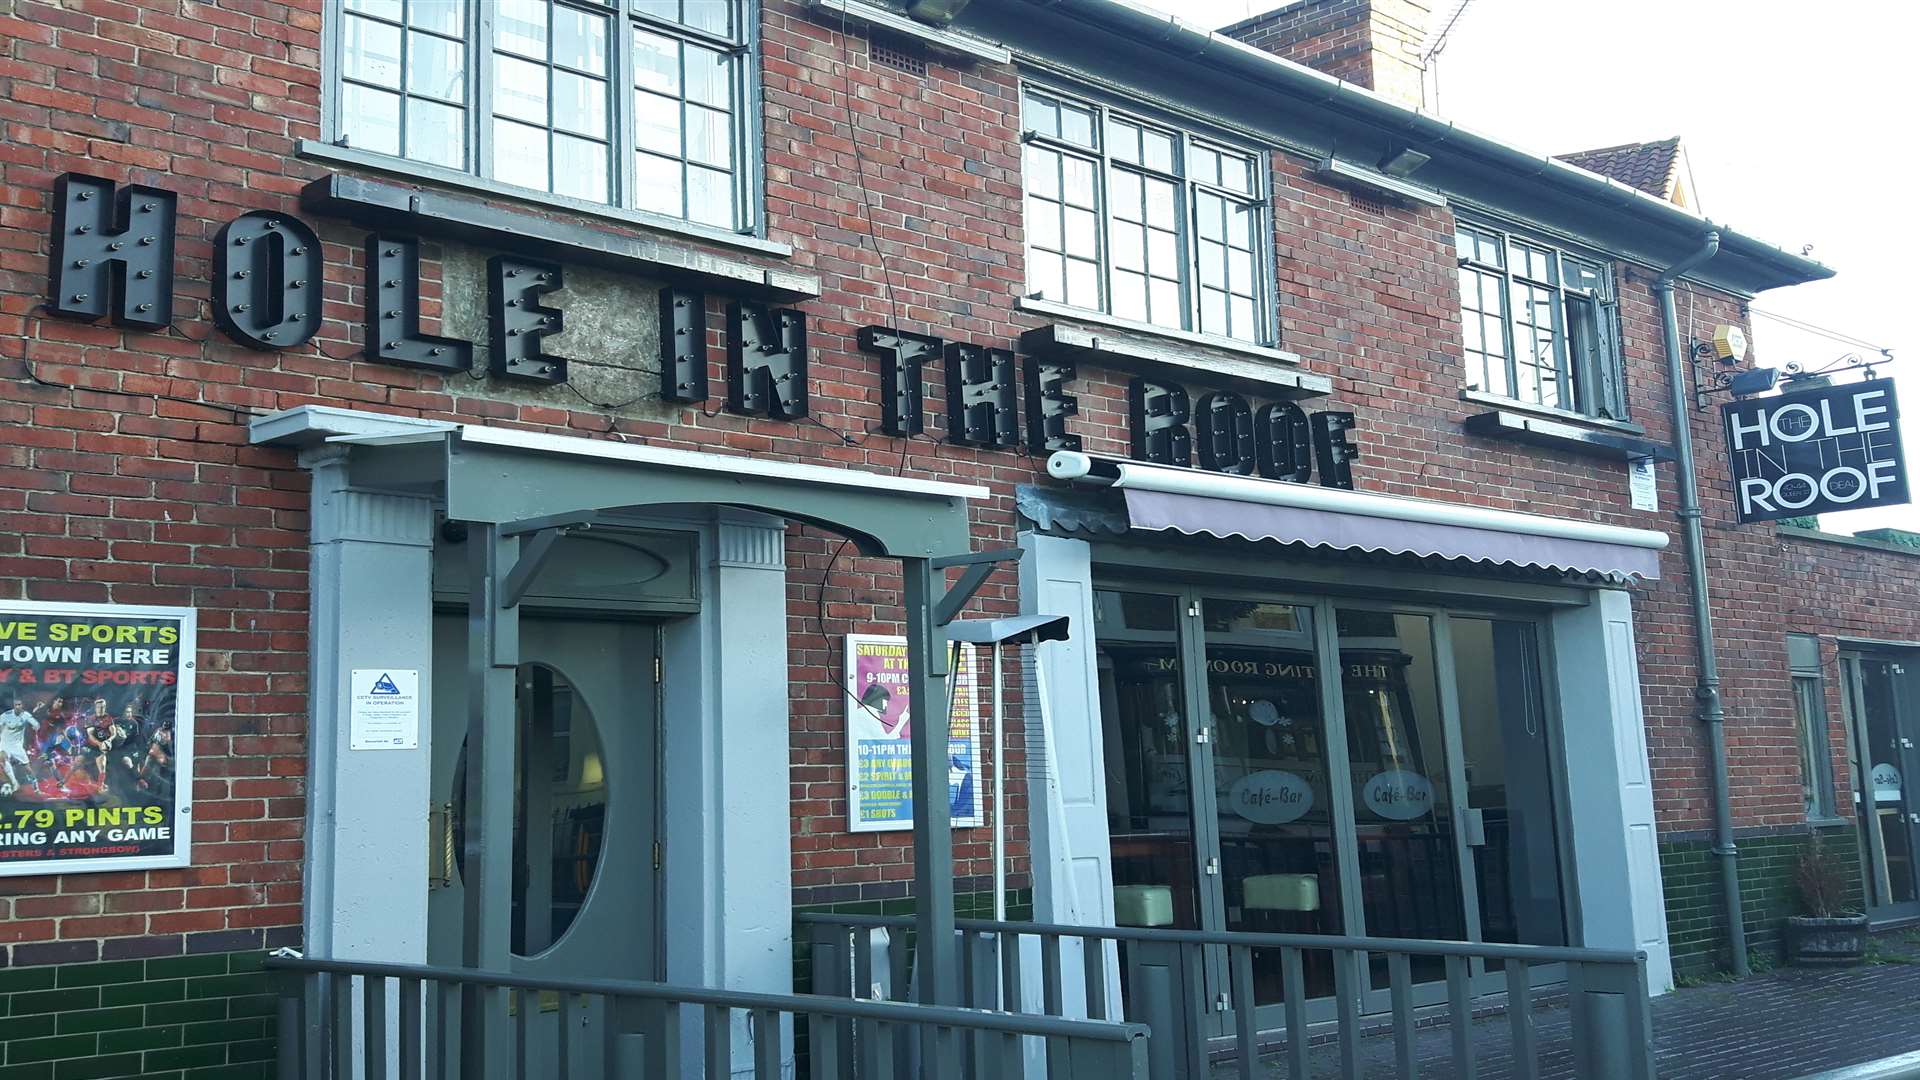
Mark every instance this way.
x=1781 y=1025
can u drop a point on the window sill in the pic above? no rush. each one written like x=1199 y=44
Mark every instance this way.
x=1565 y=416
x=1177 y=355
x=1541 y=431
x=1835 y=822
x=403 y=169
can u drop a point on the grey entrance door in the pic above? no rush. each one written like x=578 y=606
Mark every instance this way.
x=585 y=896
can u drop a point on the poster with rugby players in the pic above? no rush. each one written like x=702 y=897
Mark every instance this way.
x=96 y=737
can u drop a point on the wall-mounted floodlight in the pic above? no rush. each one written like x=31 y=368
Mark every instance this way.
x=1753 y=380
x=1403 y=161
x=1343 y=173
x=936 y=12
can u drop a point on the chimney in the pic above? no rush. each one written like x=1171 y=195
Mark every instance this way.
x=1371 y=43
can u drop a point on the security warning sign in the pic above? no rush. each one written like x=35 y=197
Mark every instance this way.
x=96 y=737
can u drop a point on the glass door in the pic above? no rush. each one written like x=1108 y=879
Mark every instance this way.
x=1150 y=805
x=1272 y=782
x=1402 y=794
x=1303 y=766
x=1884 y=795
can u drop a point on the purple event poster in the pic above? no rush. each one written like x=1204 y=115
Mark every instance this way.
x=879 y=723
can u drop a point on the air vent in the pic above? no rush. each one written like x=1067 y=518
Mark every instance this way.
x=1365 y=205
x=899 y=56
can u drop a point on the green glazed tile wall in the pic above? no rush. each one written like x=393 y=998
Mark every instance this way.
x=205 y=1017
x=1696 y=931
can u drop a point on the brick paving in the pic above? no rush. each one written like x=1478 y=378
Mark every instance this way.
x=1782 y=1025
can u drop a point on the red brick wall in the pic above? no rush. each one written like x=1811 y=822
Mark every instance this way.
x=125 y=475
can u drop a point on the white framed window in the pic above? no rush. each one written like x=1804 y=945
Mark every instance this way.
x=1143 y=220
x=1540 y=324
x=636 y=104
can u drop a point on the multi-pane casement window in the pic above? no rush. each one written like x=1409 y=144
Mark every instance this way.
x=1143 y=221
x=639 y=104
x=1810 y=724
x=1541 y=324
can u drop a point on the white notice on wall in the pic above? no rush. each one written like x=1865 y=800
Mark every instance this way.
x=384 y=710
x=1640 y=484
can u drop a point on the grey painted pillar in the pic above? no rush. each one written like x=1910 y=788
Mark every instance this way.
x=493 y=660
x=725 y=785
x=1067 y=822
x=938 y=965
x=1609 y=785
x=1071 y=858
x=366 y=850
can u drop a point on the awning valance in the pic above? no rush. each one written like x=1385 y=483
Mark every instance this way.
x=1192 y=502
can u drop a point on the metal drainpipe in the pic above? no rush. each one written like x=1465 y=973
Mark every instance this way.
x=1707 y=691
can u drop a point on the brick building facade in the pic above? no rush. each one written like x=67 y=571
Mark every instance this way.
x=880 y=182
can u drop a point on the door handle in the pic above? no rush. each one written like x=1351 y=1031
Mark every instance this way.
x=440 y=846
x=1474 y=822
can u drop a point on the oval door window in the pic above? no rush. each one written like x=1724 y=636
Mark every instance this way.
x=560 y=779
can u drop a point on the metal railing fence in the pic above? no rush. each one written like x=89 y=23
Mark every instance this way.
x=365 y=1021
x=1306 y=983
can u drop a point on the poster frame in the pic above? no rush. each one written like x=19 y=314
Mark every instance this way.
x=967 y=670
x=183 y=733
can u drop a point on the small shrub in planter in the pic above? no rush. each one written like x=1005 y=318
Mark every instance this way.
x=1827 y=931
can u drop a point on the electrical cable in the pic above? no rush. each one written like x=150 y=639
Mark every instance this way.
x=893 y=306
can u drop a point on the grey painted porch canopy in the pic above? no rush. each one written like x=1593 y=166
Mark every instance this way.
x=491 y=474
x=518 y=491
x=1192 y=502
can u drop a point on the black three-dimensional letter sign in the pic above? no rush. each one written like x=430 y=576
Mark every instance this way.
x=683 y=345
x=520 y=323
x=266 y=280
x=112 y=251
x=1225 y=421
x=903 y=358
x=1157 y=414
x=981 y=397
x=1049 y=405
x=1335 y=456
x=766 y=361
x=1284 y=441
x=393 y=310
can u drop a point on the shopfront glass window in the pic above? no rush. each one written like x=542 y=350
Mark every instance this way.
x=1149 y=778
x=1401 y=786
x=543 y=77
x=1505 y=748
x=1278 y=867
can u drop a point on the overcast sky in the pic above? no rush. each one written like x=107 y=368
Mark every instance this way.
x=1791 y=115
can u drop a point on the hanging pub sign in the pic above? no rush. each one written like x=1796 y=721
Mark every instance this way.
x=96 y=737
x=1815 y=451
x=880 y=720
x=111 y=256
